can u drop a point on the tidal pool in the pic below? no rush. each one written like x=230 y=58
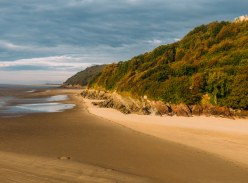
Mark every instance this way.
x=4 y=100
x=33 y=105
x=42 y=107
x=57 y=98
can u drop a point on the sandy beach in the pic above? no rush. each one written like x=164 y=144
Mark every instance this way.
x=227 y=138
x=89 y=144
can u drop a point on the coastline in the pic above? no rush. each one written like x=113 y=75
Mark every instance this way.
x=221 y=136
x=43 y=163
x=100 y=150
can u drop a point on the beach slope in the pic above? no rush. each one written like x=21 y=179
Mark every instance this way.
x=76 y=146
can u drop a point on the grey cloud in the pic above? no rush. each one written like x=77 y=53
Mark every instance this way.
x=25 y=68
x=103 y=30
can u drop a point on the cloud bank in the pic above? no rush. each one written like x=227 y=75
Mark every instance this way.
x=68 y=35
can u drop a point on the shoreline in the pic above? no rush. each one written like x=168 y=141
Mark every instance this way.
x=78 y=146
x=219 y=136
x=28 y=166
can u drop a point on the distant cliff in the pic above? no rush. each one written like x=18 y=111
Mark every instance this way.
x=82 y=78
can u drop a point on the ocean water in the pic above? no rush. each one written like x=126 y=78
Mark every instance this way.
x=13 y=105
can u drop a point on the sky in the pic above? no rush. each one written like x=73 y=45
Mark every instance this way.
x=44 y=41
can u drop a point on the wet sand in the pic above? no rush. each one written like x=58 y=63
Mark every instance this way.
x=99 y=150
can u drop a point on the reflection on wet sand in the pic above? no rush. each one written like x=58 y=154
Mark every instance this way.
x=11 y=107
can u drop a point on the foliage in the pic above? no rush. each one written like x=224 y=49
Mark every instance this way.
x=212 y=59
x=84 y=77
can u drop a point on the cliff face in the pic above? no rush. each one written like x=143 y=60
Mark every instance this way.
x=142 y=105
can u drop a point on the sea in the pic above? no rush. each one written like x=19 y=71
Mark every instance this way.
x=14 y=103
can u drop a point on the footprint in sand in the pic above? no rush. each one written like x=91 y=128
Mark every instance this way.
x=64 y=158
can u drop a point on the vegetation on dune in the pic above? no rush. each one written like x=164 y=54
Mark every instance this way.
x=211 y=59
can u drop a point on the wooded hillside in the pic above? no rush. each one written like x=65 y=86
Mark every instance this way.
x=211 y=60
x=83 y=77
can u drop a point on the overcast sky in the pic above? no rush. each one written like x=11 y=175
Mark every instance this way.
x=49 y=40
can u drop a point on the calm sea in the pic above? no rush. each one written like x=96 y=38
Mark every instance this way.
x=13 y=104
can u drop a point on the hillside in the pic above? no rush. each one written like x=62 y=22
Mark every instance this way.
x=83 y=77
x=209 y=65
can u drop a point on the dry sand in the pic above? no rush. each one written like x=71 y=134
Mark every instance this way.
x=224 y=137
x=101 y=150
